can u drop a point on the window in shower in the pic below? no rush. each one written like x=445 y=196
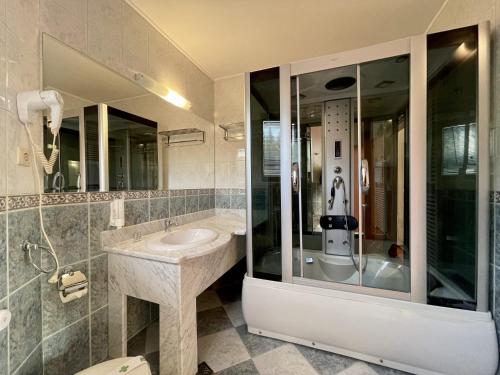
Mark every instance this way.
x=265 y=178
x=452 y=80
x=459 y=150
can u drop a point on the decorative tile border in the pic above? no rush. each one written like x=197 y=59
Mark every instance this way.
x=159 y=194
x=138 y=194
x=18 y=202
x=51 y=199
x=100 y=196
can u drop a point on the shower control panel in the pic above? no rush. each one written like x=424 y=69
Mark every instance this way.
x=338 y=149
x=337 y=167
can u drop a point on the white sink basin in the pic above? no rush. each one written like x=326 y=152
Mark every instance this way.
x=183 y=239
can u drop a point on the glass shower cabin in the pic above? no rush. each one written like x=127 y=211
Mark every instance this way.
x=365 y=176
x=353 y=174
x=327 y=144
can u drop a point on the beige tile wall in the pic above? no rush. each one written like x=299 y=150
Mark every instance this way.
x=109 y=31
x=229 y=156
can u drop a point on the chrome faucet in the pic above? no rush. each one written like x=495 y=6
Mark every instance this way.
x=167 y=223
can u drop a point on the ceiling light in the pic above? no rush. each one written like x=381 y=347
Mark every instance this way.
x=340 y=83
x=383 y=84
x=463 y=52
x=163 y=92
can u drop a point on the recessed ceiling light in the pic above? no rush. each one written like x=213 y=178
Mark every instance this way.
x=340 y=83
x=383 y=84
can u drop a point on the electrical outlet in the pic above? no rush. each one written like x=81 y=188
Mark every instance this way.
x=23 y=157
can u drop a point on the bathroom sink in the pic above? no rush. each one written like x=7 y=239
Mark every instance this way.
x=183 y=239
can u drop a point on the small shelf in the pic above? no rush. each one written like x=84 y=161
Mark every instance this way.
x=184 y=137
x=234 y=131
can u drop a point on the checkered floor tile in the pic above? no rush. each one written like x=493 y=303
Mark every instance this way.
x=226 y=347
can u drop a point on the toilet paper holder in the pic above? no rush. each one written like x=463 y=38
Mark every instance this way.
x=71 y=281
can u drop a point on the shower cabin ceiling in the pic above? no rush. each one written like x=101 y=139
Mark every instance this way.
x=378 y=80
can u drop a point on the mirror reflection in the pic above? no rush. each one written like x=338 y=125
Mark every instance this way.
x=116 y=134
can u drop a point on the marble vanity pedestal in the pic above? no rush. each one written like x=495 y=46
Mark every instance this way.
x=173 y=280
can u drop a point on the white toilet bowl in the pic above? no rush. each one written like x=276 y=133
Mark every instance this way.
x=106 y=367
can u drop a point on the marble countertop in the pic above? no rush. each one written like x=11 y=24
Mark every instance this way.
x=225 y=226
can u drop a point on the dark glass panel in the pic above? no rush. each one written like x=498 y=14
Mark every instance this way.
x=265 y=190
x=452 y=78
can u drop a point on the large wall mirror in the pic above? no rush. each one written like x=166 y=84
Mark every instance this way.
x=118 y=134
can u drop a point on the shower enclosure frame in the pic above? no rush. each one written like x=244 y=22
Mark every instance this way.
x=399 y=330
x=415 y=47
x=407 y=46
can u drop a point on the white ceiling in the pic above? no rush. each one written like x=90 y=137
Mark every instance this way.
x=226 y=37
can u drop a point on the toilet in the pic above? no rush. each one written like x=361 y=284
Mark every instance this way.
x=113 y=366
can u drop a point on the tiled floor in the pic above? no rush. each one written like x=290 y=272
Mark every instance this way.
x=146 y=343
x=226 y=347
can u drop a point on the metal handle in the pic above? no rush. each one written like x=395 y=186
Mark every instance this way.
x=295 y=177
x=58 y=187
x=357 y=234
x=364 y=176
x=28 y=247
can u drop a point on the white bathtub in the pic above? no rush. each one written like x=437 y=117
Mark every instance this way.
x=413 y=337
x=378 y=272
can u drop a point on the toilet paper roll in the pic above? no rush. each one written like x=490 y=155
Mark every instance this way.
x=72 y=296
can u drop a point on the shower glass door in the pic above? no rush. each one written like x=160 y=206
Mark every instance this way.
x=350 y=173
x=384 y=96
x=324 y=145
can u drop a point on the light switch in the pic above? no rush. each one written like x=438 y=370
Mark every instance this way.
x=23 y=157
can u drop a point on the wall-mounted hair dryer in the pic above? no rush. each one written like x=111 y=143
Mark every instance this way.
x=31 y=101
